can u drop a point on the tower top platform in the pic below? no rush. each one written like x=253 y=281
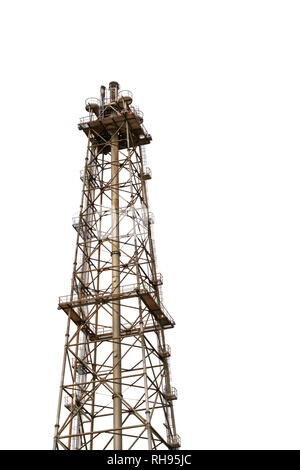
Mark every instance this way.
x=112 y=114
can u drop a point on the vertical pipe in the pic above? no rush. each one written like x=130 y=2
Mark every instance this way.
x=102 y=94
x=115 y=254
x=113 y=91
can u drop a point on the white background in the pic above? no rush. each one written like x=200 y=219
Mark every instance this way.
x=218 y=82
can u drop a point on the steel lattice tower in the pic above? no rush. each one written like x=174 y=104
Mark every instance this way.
x=115 y=389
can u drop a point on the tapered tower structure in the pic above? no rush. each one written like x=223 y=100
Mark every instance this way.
x=115 y=390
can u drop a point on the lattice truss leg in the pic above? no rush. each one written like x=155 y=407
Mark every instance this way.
x=115 y=386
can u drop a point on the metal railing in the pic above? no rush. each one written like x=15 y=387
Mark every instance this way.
x=122 y=211
x=80 y=369
x=105 y=101
x=99 y=293
x=166 y=313
x=127 y=289
x=89 y=230
x=147 y=173
x=68 y=403
x=144 y=156
x=125 y=94
x=86 y=119
x=137 y=111
x=173 y=440
x=159 y=279
x=91 y=101
x=75 y=220
x=102 y=330
x=164 y=351
x=121 y=94
x=144 y=130
x=146 y=217
x=151 y=217
x=170 y=394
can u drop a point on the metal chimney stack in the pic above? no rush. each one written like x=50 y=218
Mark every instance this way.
x=113 y=91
